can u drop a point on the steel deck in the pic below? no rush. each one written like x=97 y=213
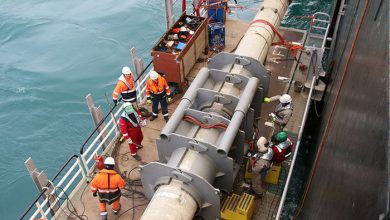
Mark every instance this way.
x=264 y=207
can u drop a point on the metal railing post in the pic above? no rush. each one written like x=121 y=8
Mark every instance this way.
x=82 y=156
x=41 y=210
x=80 y=163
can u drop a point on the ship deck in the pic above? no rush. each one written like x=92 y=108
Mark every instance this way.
x=133 y=202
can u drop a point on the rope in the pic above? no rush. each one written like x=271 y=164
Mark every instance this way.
x=292 y=47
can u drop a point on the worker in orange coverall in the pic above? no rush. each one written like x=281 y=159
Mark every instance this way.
x=157 y=91
x=130 y=124
x=108 y=184
x=125 y=87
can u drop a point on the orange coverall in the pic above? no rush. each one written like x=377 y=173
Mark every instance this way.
x=108 y=193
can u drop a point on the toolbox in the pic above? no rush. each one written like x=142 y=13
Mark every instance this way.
x=179 y=48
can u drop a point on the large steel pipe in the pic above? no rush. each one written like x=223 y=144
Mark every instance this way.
x=259 y=36
x=257 y=39
x=181 y=204
x=170 y=201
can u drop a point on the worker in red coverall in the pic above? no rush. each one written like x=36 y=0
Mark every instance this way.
x=108 y=184
x=282 y=147
x=130 y=124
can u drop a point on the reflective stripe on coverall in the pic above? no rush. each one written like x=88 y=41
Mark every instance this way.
x=108 y=184
x=282 y=151
x=126 y=88
x=157 y=90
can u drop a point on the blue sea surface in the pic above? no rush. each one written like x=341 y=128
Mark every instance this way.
x=54 y=53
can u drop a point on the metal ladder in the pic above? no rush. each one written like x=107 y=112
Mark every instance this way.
x=319 y=29
x=316 y=41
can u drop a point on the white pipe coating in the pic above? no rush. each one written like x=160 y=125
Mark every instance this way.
x=170 y=202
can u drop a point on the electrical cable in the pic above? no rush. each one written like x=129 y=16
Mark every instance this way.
x=71 y=209
x=131 y=187
x=315 y=109
x=202 y=125
x=132 y=208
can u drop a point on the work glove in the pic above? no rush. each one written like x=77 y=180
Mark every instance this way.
x=148 y=100
x=115 y=102
x=94 y=194
x=129 y=141
x=169 y=99
x=267 y=100
x=272 y=116
x=143 y=123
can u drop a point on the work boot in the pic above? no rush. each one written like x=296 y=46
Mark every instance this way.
x=103 y=217
x=166 y=118
x=253 y=192
x=139 y=146
x=116 y=211
x=153 y=117
x=136 y=157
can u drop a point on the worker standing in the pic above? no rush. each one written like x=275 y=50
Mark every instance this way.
x=157 y=91
x=277 y=151
x=125 y=87
x=108 y=184
x=130 y=124
x=262 y=163
x=283 y=111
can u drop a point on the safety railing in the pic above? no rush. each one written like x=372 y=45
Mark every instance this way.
x=96 y=146
x=298 y=143
x=49 y=196
x=45 y=203
x=77 y=172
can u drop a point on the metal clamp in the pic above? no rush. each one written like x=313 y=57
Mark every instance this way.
x=224 y=165
x=222 y=60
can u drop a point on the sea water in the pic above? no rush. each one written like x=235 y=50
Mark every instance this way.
x=54 y=53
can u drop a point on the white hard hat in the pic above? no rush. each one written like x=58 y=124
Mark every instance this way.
x=285 y=98
x=183 y=29
x=109 y=161
x=153 y=75
x=261 y=145
x=126 y=70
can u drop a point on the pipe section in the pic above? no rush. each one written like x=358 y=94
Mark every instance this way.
x=171 y=202
x=258 y=37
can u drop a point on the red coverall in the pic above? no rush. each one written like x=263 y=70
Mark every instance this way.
x=130 y=131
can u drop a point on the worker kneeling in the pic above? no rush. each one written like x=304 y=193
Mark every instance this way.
x=108 y=184
x=276 y=151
